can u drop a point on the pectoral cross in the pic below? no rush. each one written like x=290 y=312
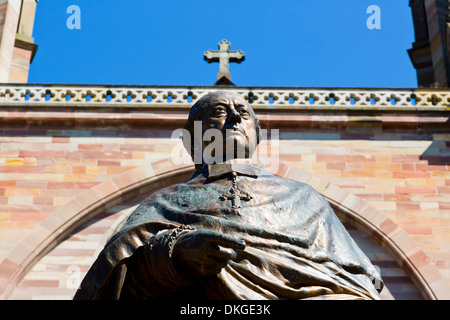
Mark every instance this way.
x=235 y=194
x=224 y=56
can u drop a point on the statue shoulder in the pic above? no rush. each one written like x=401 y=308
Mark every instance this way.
x=150 y=209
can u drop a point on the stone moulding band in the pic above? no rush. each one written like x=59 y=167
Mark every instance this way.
x=260 y=97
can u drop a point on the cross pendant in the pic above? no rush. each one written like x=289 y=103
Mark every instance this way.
x=235 y=194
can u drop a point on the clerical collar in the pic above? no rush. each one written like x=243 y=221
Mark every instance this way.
x=239 y=166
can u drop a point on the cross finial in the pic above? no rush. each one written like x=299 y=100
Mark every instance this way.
x=224 y=56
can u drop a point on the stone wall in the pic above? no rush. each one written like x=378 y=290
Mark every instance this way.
x=57 y=159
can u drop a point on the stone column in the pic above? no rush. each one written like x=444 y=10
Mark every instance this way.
x=24 y=49
x=9 y=17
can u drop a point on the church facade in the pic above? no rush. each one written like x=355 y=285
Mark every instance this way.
x=75 y=161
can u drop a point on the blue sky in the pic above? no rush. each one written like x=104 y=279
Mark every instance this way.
x=295 y=43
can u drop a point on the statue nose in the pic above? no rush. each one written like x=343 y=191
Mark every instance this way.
x=234 y=117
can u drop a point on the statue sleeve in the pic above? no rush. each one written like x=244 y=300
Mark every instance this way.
x=151 y=273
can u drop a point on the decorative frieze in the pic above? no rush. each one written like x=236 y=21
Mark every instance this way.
x=182 y=97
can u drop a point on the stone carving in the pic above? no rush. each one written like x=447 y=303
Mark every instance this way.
x=232 y=231
x=289 y=98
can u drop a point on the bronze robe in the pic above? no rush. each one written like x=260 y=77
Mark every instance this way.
x=296 y=246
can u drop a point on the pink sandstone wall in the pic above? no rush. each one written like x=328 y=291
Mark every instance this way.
x=20 y=65
x=57 y=275
x=398 y=166
x=9 y=17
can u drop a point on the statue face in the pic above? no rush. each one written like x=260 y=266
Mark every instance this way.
x=235 y=119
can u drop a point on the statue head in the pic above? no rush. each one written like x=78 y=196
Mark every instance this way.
x=229 y=119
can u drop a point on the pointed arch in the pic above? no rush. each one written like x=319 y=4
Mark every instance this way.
x=79 y=210
x=382 y=229
x=160 y=174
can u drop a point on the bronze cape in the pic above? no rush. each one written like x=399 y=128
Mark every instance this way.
x=296 y=246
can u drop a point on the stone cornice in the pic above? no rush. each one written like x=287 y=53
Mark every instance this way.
x=369 y=110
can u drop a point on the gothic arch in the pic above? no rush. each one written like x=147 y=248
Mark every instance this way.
x=163 y=173
x=382 y=229
x=80 y=210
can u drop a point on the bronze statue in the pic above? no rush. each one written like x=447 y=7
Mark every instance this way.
x=232 y=231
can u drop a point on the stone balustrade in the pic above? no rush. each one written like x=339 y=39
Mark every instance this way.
x=259 y=97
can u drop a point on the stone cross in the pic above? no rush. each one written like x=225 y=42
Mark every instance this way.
x=224 y=56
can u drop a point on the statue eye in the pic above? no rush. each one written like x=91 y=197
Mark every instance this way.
x=219 y=111
x=242 y=111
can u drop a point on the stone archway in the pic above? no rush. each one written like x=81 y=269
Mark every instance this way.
x=81 y=209
x=138 y=181
x=382 y=229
